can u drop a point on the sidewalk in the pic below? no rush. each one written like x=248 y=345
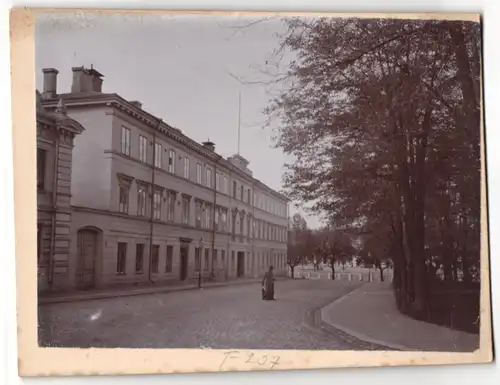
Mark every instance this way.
x=129 y=290
x=370 y=314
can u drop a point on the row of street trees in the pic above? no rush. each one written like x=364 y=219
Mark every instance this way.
x=382 y=119
x=331 y=246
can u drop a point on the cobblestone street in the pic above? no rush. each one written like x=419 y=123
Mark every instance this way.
x=227 y=317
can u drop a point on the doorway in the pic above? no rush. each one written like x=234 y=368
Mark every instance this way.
x=184 y=253
x=240 y=270
x=87 y=255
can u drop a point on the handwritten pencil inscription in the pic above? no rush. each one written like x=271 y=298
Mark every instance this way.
x=264 y=361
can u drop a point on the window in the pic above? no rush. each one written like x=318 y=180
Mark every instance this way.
x=141 y=200
x=216 y=217
x=123 y=198
x=217 y=181
x=224 y=184
x=121 y=260
x=242 y=223
x=158 y=155
x=242 y=192
x=155 y=252
x=185 y=210
x=235 y=186
x=197 y=259
x=207 y=259
x=249 y=196
x=209 y=177
x=224 y=219
x=143 y=146
x=233 y=225
x=198 y=173
x=214 y=260
x=186 y=167
x=233 y=265
x=223 y=259
x=170 y=206
x=249 y=227
x=170 y=257
x=41 y=163
x=208 y=216
x=125 y=141
x=171 y=161
x=139 y=257
x=157 y=205
x=198 y=209
x=39 y=234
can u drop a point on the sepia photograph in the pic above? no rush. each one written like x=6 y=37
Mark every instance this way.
x=247 y=182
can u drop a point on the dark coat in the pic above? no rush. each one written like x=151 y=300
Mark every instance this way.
x=268 y=285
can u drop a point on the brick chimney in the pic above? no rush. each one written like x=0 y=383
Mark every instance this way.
x=86 y=80
x=49 y=82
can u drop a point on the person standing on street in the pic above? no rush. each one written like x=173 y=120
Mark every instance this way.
x=268 y=285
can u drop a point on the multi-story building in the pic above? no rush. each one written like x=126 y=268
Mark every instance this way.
x=55 y=135
x=151 y=204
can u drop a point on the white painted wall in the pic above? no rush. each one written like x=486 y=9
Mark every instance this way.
x=91 y=169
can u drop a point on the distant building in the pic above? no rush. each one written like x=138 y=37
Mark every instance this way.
x=55 y=133
x=151 y=204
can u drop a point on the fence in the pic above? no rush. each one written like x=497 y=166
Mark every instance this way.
x=371 y=276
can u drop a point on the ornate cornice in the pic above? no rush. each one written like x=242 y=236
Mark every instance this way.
x=125 y=178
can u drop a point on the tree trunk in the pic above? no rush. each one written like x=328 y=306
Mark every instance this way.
x=292 y=268
x=381 y=274
x=464 y=257
x=464 y=75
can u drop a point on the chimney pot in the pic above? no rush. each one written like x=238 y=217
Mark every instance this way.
x=86 y=80
x=209 y=145
x=136 y=103
x=50 y=82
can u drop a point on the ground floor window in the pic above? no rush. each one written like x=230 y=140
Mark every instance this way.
x=139 y=257
x=207 y=259
x=168 y=263
x=154 y=258
x=121 y=260
x=223 y=259
x=214 y=260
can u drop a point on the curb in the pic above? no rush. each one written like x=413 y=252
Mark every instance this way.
x=324 y=315
x=132 y=293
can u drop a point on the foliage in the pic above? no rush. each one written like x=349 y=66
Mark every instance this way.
x=382 y=118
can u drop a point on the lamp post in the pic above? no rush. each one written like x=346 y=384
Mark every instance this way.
x=199 y=262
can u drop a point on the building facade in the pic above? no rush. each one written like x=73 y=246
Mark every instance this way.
x=151 y=204
x=55 y=136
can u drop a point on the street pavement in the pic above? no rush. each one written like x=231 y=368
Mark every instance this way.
x=369 y=313
x=220 y=318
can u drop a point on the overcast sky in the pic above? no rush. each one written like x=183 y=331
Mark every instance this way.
x=179 y=68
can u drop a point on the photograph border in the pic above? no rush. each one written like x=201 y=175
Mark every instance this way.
x=36 y=361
